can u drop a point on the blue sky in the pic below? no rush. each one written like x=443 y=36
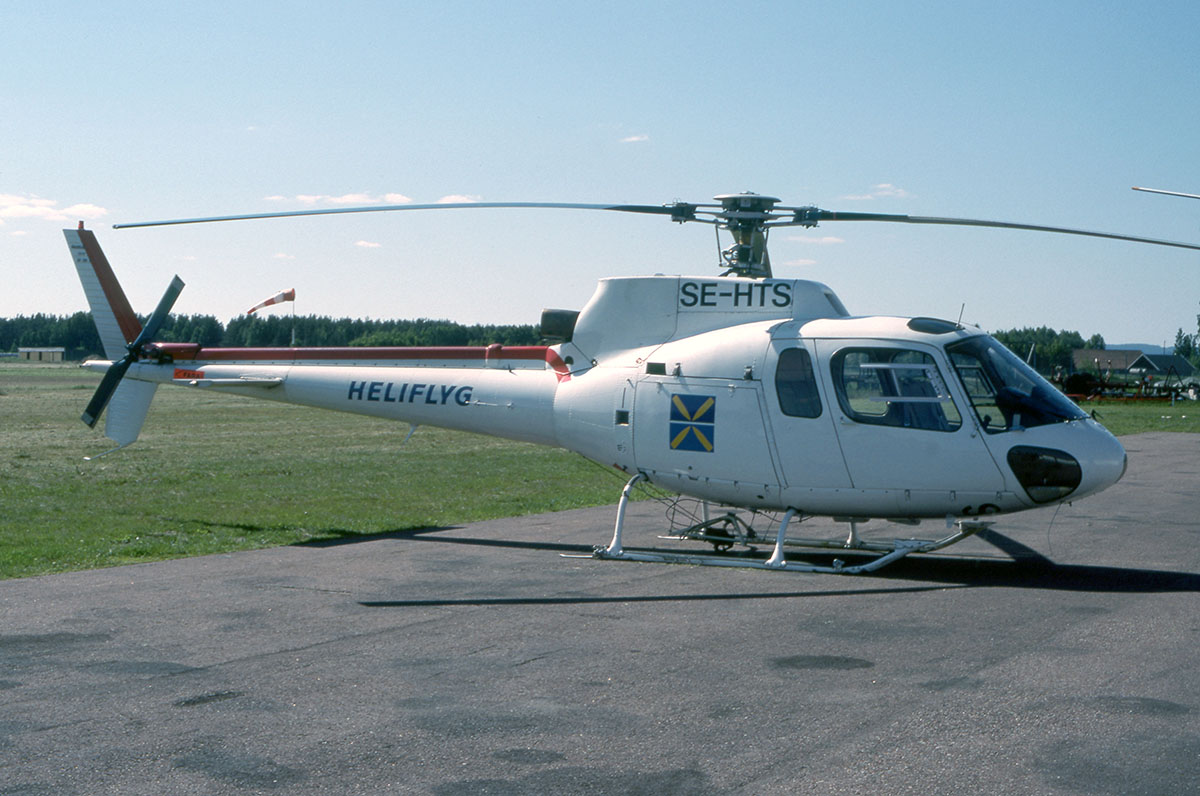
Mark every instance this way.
x=1032 y=112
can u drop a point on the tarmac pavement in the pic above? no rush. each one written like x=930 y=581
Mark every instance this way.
x=1056 y=655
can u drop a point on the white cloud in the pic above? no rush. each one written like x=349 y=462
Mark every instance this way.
x=13 y=206
x=634 y=139
x=458 y=199
x=352 y=199
x=17 y=233
x=86 y=210
x=366 y=244
x=801 y=262
x=283 y=256
x=887 y=189
x=884 y=190
x=826 y=240
x=16 y=206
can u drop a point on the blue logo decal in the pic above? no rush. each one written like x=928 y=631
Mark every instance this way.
x=693 y=422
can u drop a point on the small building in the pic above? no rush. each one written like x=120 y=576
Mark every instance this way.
x=1123 y=362
x=1102 y=361
x=41 y=354
x=1162 y=366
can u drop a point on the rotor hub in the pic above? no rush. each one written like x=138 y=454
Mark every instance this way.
x=745 y=215
x=747 y=202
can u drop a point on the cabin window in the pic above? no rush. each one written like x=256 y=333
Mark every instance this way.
x=796 y=384
x=893 y=387
x=1005 y=392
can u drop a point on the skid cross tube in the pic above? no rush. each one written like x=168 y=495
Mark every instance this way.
x=888 y=551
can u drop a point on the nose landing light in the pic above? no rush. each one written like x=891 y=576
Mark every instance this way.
x=1046 y=474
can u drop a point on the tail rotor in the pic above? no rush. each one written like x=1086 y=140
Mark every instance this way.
x=112 y=378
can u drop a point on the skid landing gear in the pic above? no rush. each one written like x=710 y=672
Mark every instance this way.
x=721 y=532
x=728 y=530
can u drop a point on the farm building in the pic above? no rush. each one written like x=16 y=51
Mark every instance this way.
x=1131 y=362
x=1100 y=360
x=41 y=354
x=1163 y=365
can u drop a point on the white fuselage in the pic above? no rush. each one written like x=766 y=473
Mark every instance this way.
x=754 y=393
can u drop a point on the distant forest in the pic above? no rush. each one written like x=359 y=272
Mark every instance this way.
x=1051 y=350
x=77 y=334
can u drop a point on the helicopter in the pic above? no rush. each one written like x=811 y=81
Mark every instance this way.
x=755 y=395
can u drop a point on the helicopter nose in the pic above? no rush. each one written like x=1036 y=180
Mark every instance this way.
x=1105 y=461
x=1087 y=459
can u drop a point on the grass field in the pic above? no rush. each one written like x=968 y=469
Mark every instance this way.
x=215 y=473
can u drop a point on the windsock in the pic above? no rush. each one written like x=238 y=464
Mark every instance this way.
x=283 y=295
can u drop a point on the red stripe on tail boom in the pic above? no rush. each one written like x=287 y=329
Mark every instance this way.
x=492 y=353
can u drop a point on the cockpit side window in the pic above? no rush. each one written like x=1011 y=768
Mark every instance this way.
x=893 y=387
x=1005 y=392
x=796 y=384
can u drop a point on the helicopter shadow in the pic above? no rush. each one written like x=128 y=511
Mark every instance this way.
x=432 y=534
x=1024 y=568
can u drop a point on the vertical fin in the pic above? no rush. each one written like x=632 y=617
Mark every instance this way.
x=127 y=411
x=115 y=320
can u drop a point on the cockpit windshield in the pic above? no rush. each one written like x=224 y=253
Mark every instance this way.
x=1005 y=392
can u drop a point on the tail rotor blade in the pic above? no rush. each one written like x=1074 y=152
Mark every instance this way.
x=159 y=315
x=104 y=393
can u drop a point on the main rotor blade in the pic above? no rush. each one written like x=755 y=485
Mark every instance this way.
x=829 y=215
x=1168 y=193
x=681 y=209
x=684 y=211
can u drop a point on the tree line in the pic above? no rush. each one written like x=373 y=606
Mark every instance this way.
x=77 y=333
x=1188 y=345
x=1047 y=350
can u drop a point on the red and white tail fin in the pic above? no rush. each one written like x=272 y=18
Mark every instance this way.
x=118 y=327
x=115 y=320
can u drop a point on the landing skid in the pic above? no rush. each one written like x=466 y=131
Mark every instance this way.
x=729 y=529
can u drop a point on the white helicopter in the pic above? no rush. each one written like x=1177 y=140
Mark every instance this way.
x=747 y=392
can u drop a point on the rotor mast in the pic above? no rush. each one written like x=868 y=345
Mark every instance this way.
x=745 y=216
